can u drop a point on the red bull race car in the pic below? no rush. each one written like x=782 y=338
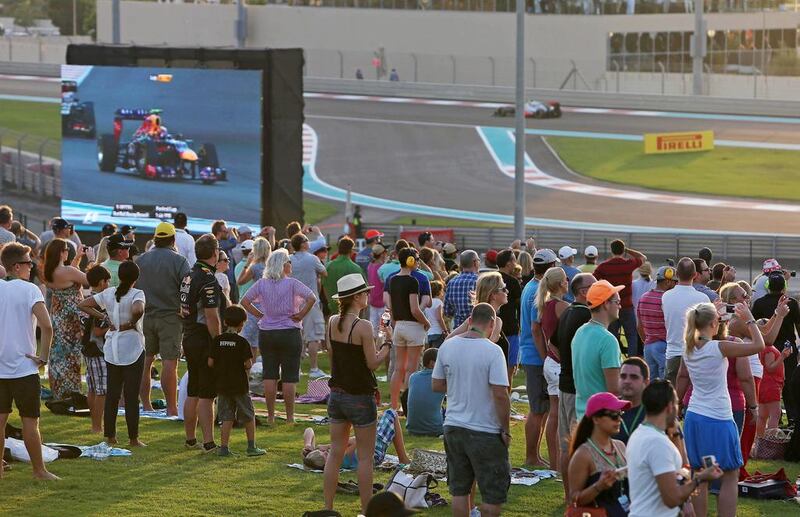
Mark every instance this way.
x=77 y=118
x=533 y=109
x=154 y=153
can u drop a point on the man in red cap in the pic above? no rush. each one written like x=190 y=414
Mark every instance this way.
x=595 y=352
x=364 y=257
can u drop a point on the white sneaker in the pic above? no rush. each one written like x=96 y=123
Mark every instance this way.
x=316 y=373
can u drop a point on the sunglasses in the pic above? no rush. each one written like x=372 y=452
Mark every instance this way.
x=503 y=289
x=224 y=260
x=613 y=415
x=25 y=262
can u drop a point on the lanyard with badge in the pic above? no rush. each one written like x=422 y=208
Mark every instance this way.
x=635 y=423
x=617 y=464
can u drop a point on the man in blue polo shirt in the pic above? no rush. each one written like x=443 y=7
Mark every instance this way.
x=532 y=350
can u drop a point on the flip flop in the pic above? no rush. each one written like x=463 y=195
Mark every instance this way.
x=6 y=466
x=349 y=488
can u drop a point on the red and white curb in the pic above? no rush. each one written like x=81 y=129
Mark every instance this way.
x=535 y=176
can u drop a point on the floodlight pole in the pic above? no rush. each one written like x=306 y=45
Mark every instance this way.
x=519 y=133
x=115 y=22
x=698 y=48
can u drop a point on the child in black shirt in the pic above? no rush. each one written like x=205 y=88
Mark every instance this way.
x=92 y=341
x=231 y=359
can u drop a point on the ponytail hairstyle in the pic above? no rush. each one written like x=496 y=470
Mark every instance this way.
x=548 y=287
x=581 y=433
x=344 y=307
x=102 y=251
x=698 y=317
x=128 y=275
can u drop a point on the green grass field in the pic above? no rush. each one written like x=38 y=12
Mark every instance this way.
x=40 y=120
x=318 y=210
x=166 y=479
x=444 y=222
x=726 y=171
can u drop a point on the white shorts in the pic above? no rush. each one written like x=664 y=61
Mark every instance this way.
x=409 y=333
x=552 y=370
x=314 y=325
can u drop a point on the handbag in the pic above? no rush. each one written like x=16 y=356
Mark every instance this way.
x=411 y=489
x=423 y=460
x=772 y=446
x=574 y=510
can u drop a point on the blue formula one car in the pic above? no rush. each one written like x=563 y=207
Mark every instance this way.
x=77 y=118
x=154 y=153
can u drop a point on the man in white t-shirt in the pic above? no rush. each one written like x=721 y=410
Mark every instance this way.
x=674 y=304
x=654 y=463
x=184 y=242
x=472 y=371
x=21 y=310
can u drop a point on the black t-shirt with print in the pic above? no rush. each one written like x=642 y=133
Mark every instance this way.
x=509 y=312
x=765 y=306
x=401 y=287
x=229 y=352
x=199 y=290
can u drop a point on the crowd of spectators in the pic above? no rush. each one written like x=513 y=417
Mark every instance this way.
x=635 y=374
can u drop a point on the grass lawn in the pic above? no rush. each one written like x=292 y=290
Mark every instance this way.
x=444 y=222
x=727 y=171
x=166 y=479
x=317 y=210
x=39 y=119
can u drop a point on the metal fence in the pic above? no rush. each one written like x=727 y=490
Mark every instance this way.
x=28 y=164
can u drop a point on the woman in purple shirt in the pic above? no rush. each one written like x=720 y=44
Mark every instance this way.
x=285 y=302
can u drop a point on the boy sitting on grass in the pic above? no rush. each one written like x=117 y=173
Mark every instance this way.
x=231 y=360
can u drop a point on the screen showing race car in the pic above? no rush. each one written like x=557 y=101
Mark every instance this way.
x=140 y=144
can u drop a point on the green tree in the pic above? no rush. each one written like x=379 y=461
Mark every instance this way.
x=26 y=11
x=61 y=13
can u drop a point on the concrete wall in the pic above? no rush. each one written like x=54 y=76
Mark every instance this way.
x=31 y=49
x=443 y=47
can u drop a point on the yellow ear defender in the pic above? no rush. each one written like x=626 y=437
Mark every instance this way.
x=669 y=274
x=411 y=261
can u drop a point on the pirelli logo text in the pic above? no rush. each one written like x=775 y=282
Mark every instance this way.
x=659 y=143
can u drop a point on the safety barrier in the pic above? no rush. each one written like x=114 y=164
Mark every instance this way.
x=26 y=165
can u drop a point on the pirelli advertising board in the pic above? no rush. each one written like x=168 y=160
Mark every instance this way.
x=661 y=143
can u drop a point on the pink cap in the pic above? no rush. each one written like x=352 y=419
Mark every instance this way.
x=771 y=265
x=605 y=400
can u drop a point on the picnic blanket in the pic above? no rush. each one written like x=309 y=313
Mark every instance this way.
x=390 y=463
x=317 y=392
x=521 y=476
x=158 y=414
x=298 y=417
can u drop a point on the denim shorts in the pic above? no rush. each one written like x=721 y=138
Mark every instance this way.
x=359 y=410
x=477 y=456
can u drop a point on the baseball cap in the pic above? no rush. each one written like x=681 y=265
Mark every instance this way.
x=776 y=281
x=450 y=248
x=108 y=229
x=545 y=256
x=666 y=273
x=600 y=292
x=372 y=234
x=491 y=256
x=164 y=229
x=590 y=251
x=566 y=252
x=59 y=223
x=247 y=245
x=244 y=229
x=771 y=265
x=378 y=250
x=318 y=245
x=605 y=400
x=126 y=229
x=117 y=242
x=646 y=269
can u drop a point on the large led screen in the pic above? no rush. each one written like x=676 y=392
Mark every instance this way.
x=140 y=144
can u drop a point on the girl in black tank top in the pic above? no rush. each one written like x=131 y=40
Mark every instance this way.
x=349 y=370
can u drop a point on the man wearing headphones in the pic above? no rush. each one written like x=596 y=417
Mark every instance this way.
x=410 y=324
x=650 y=322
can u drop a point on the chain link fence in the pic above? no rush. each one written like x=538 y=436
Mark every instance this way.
x=29 y=164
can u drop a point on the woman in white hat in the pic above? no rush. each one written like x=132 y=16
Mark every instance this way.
x=352 y=403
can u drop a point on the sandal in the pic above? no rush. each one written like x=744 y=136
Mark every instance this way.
x=433 y=499
x=6 y=466
x=349 y=488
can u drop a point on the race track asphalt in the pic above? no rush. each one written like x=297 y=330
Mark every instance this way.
x=433 y=155
x=219 y=107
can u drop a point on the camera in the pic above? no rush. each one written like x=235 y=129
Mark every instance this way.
x=709 y=461
x=793 y=274
x=730 y=308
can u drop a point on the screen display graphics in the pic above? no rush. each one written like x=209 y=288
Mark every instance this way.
x=140 y=144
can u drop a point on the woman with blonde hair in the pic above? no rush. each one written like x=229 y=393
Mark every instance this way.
x=525 y=261
x=709 y=426
x=102 y=252
x=252 y=270
x=280 y=303
x=550 y=305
